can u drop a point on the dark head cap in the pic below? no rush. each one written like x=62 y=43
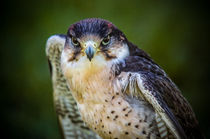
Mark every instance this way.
x=94 y=26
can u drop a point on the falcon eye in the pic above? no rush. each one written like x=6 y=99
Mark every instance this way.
x=74 y=41
x=106 y=40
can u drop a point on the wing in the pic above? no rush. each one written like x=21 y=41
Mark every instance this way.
x=69 y=117
x=154 y=86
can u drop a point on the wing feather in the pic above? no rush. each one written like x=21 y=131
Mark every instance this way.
x=158 y=89
x=69 y=117
x=161 y=108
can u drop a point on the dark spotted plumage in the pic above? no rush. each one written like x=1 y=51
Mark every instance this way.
x=120 y=91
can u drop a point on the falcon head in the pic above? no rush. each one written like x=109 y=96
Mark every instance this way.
x=92 y=44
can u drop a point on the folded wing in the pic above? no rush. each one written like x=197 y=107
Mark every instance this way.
x=155 y=87
x=69 y=117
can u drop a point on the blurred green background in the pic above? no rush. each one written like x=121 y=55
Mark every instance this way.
x=174 y=33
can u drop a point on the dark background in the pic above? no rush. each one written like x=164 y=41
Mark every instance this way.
x=175 y=34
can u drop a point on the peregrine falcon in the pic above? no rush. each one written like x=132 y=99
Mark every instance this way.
x=106 y=87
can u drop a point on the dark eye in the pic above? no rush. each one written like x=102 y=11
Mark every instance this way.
x=74 y=41
x=106 y=40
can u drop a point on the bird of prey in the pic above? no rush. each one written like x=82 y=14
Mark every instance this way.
x=105 y=85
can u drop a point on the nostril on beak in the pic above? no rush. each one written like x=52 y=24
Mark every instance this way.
x=89 y=52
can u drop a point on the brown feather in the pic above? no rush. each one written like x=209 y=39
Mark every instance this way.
x=141 y=63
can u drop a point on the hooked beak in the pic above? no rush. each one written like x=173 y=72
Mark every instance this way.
x=90 y=50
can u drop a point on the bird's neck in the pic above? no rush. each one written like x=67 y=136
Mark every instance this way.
x=92 y=84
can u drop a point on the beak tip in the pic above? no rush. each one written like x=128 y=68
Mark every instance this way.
x=90 y=59
x=90 y=53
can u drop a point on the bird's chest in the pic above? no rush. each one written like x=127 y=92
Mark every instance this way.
x=105 y=110
x=114 y=117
